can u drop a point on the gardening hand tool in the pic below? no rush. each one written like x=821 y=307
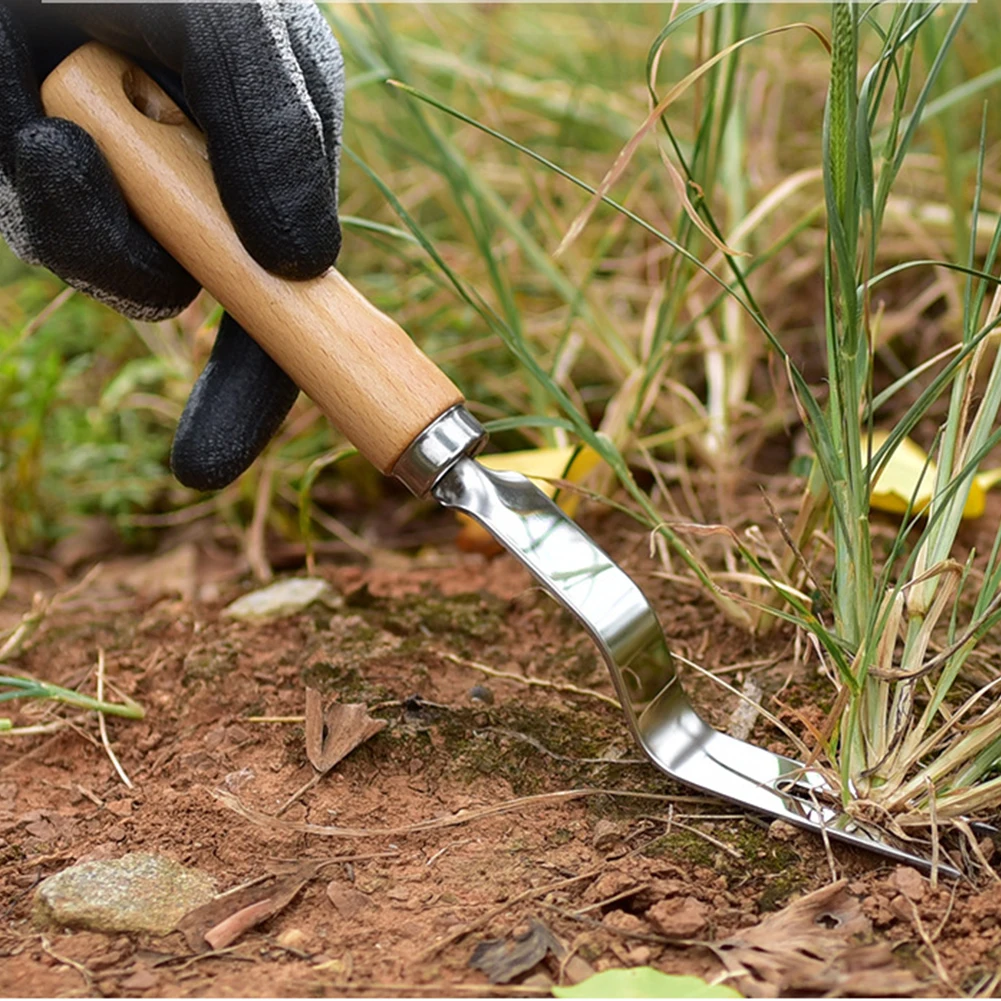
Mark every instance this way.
x=409 y=420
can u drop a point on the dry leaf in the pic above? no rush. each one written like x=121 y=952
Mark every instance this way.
x=503 y=959
x=332 y=735
x=224 y=919
x=808 y=947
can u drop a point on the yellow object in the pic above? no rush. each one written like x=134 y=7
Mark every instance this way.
x=909 y=477
x=540 y=465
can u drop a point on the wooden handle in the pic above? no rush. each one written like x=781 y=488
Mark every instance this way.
x=359 y=366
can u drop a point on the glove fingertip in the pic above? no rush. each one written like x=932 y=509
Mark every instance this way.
x=236 y=406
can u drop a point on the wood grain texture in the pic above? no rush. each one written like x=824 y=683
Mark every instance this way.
x=357 y=364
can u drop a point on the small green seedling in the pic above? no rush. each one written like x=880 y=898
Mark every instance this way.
x=30 y=688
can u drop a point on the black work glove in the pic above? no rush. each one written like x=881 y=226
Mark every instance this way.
x=264 y=81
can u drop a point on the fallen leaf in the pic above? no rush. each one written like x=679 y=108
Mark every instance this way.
x=332 y=735
x=643 y=982
x=808 y=947
x=225 y=918
x=909 y=478
x=503 y=959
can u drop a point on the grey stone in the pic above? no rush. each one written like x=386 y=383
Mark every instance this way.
x=286 y=597
x=139 y=892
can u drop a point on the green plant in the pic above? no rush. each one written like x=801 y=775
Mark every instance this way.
x=14 y=687
x=643 y=982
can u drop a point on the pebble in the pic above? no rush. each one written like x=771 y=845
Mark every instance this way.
x=480 y=693
x=606 y=833
x=286 y=597
x=139 y=892
x=292 y=938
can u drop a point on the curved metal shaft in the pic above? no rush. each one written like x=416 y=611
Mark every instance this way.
x=610 y=606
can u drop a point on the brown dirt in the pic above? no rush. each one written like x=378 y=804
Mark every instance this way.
x=635 y=865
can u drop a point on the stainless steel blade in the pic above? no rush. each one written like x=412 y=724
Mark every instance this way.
x=611 y=607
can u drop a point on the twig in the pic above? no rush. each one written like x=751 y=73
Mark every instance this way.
x=234 y=803
x=301 y=791
x=214 y=954
x=933 y=819
x=621 y=895
x=531 y=682
x=731 y=851
x=88 y=977
x=255 y=545
x=919 y=927
x=103 y=726
x=32 y=620
x=828 y=851
x=441 y=851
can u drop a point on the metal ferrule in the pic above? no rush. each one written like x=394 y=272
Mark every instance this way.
x=437 y=448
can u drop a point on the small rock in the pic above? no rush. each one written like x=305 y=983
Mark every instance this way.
x=286 y=597
x=909 y=882
x=398 y=893
x=679 y=917
x=120 y=807
x=480 y=693
x=292 y=938
x=117 y=833
x=348 y=902
x=606 y=834
x=139 y=892
x=779 y=830
x=987 y=848
x=902 y=908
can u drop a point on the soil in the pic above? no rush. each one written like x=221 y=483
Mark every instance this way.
x=401 y=912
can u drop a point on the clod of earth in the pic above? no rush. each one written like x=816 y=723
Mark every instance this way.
x=139 y=892
x=909 y=882
x=679 y=917
x=286 y=597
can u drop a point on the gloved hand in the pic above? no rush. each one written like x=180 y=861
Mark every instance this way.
x=264 y=81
